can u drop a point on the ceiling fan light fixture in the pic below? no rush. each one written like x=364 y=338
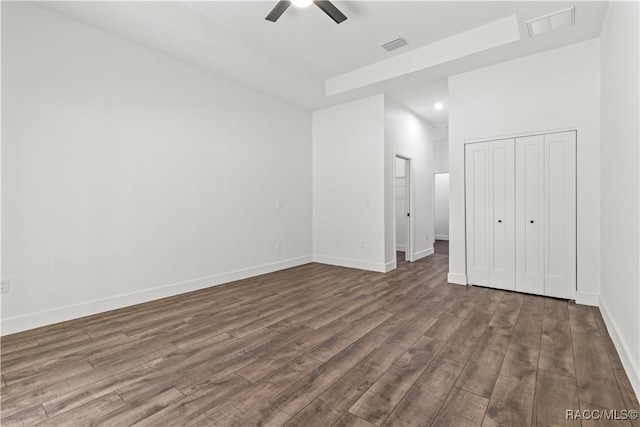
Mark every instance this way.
x=301 y=3
x=325 y=5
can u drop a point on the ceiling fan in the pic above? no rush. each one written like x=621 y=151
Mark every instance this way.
x=326 y=6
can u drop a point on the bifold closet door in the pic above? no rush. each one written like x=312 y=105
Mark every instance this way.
x=530 y=216
x=546 y=214
x=560 y=211
x=477 y=212
x=489 y=178
x=502 y=214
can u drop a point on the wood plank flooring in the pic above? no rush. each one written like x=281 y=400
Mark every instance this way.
x=323 y=346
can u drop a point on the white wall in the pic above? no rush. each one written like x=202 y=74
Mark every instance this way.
x=128 y=176
x=557 y=89
x=620 y=181
x=441 y=156
x=401 y=211
x=354 y=150
x=348 y=183
x=408 y=134
x=441 y=208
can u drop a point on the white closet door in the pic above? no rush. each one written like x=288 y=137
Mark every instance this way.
x=530 y=244
x=560 y=221
x=477 y=212
x=502 y=218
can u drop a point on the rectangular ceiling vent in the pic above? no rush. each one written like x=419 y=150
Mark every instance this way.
x=394 y=44
x=554 y=21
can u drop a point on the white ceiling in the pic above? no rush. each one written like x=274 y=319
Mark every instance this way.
x=294 y=57
x=326 y=49
x=421 y=98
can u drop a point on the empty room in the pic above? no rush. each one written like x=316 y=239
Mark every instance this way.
x=320 y=213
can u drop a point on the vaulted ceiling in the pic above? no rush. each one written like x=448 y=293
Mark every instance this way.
x=307 y=59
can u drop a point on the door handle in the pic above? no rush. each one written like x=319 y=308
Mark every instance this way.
x=531 y=221
x=500 y=220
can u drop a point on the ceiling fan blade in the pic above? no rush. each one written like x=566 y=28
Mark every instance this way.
x=277 y=11
x=328 y=8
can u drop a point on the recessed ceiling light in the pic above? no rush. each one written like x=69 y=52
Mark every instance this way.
x=554 y=21
x=302 y=3
x=438 y=106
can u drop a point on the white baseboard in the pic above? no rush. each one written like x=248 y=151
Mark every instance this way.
x=60 y=314
x=457 y=279
x=401 y=248
x=629 y=364
x=442 y=237
x=587 y=298
x=423 y=253
x=351 y=263
x=390 y=266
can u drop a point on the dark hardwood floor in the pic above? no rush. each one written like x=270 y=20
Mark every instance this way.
x=441 y=247
x=319 y=345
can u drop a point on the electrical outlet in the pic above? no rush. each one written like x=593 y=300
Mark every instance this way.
x=278 y=245
x=362 y=245
x=4 y=286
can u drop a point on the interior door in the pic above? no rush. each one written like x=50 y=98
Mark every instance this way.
x=400 y=207
x=502 y=214
x=441 y=206
x=530 y=227
x=560 y=214
x=477 y=212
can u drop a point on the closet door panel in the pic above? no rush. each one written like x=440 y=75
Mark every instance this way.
x=502 y=214
x=530 y=270
x=477 y=213
x=560 y=202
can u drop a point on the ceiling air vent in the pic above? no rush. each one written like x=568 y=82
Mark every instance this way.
x=394 y=44
x=551 y=22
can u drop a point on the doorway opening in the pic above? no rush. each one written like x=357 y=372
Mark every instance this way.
x=402 y=198
x=441 y=212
